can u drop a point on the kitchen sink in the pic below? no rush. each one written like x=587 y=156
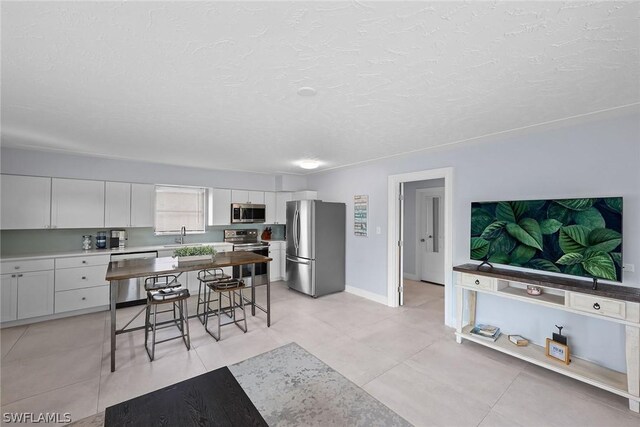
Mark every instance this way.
x=178 y=245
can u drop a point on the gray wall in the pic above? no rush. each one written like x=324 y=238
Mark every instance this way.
x=62 y=165
x=595 y=157
x=410 y=235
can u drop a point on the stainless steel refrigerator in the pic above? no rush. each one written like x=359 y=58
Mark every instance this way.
x=315 y=246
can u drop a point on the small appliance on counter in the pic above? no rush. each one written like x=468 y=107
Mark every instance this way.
x=118 y=239
x=86 y=242
x=266 y=234
x=101 y=240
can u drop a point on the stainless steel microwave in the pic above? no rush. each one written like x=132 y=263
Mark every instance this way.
x=247 y=213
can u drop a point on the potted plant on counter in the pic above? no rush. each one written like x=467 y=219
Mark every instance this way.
x=194 y=253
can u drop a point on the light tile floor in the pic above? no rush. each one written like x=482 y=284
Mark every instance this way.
x=405 y=357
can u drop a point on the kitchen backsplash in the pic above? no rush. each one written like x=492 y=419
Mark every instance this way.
x=27 y=241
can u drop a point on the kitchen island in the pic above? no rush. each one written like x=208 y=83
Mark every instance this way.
x=131 y=269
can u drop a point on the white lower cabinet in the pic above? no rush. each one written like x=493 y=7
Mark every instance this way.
x=35 y=294
x=80 y=282
x=283 y=263
x=78 y=299
x=274 y=266
x=8 y=297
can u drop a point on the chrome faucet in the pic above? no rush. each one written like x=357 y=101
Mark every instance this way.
x=183 y=233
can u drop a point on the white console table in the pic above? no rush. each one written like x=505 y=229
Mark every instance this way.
x=609 y=302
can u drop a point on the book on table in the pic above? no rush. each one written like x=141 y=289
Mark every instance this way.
x=486 y=332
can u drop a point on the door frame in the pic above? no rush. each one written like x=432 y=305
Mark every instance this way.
x=393 y=235
x=420 y=192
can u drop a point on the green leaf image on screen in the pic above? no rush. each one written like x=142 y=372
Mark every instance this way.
x=579 y=237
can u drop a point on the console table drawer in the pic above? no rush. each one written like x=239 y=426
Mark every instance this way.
x=481 y=282
x=597 y=305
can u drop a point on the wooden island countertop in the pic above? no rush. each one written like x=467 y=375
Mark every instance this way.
x=129 y=269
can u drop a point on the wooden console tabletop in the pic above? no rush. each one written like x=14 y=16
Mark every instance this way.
x=624 y=293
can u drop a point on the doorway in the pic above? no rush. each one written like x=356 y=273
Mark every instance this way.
x=429 y=239
x=442 y=240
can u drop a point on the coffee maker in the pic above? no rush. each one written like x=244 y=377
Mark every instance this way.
x=118 y=238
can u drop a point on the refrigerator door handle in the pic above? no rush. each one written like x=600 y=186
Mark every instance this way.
x=296 y=261
x=295 y=230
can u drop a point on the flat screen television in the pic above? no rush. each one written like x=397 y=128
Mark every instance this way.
x=578 y=237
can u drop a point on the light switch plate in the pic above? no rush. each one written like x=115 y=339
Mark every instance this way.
x=378 y=230
x=629 y=268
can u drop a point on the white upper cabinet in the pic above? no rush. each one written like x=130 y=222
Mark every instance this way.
x=256 y=197
x=219 y=206
x=239 y=196
x=281 y=206
x=26 y=202
x=244 y=196
x=143 y=198
x=305 y=195
x=117 y=204
x=77 y=203
x=270 y=207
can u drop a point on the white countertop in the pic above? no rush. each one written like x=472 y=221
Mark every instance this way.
x=92 y=252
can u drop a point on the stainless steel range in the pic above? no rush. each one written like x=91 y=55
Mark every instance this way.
x=247 y=240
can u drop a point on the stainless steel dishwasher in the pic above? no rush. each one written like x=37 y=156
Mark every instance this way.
x=131 y=292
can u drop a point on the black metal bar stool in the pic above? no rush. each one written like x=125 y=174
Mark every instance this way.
x=229 y=288
x=206 y=277
x=165 y=290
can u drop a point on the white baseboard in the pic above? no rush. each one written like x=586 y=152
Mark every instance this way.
x=410 y=276
x=382 y=299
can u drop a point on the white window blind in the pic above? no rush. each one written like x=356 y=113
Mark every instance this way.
x=180 y=206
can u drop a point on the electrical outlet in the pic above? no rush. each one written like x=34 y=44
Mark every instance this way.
x=630 y=268
x=378 y=230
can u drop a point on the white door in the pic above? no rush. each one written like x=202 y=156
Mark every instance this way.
x=431 y=234
x=77 y=203
x=256 y=197
x=117 y=204
x=26 y=202
x=143 y=207
x=35 y=294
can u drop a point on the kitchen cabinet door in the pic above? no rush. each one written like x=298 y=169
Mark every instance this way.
x=117 y=204
x=219 y=206
x=239 y=196
x=305 y=195
x=8 y=297
x=270 y=207
x=256 y=197
x=274 y=266
x=26 y=202
x=77 y=203
x=281 y=206
x=35 y=294
x=143 y=197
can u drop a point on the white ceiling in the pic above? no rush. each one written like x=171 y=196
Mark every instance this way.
x=213 y=84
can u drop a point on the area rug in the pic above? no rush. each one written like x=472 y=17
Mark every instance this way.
x=291 y=387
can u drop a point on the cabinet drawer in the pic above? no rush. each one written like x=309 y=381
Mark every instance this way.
x=597 y=305
x=78 y=299
x=29 y=265
x=81 y=277
x=82 y=261
x=481 y=282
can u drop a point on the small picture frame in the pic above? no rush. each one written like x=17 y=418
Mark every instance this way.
x=558 y=351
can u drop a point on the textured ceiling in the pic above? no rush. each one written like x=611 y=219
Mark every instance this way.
x=213 y=84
